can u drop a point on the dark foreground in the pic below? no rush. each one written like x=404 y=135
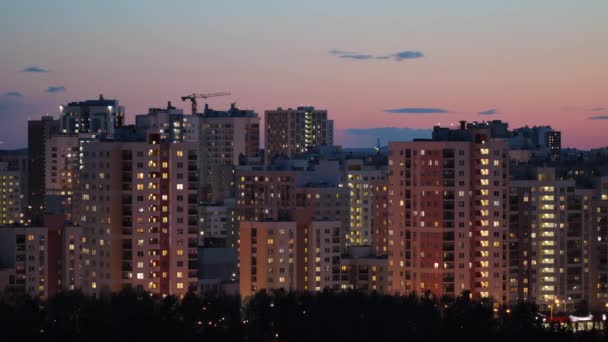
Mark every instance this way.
x=280 y=316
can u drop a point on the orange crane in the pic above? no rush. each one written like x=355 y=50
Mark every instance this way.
x=194 y=96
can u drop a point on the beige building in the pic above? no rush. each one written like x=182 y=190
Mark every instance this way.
x=271 y=256
x=360 y=180
x=557 y=242
x=224 y=138
x=139 y=216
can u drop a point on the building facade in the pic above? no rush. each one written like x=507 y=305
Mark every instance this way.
x=139 y=216
x=292 y=131
x=448 y=215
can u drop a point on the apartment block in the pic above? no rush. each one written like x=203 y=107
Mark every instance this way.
x=292 y=131
x=360 y=179
x=448 y=206
x=38 y=134
x=12 y=204
x=31 y=260
x=61 y=175
x=139 y=216
x=557 y=242
x=271 y=256
x=380 y=216
x=225 y=137
x=99 y=116
x=363 y=271
x=217 y=225
x=171 y=123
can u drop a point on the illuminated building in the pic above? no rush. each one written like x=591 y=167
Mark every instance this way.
x=292 y=131
x=139 y=216
x=448 y=204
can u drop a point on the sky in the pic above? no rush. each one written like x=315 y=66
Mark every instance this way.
x=383 y=69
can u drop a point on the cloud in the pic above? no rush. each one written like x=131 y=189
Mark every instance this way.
x=599 y=117
x=357 y=56
x=598 y=109
x=13 y=94
x=410 y=110
x=34 y=69
x=488 y=112
x=341 y=52
x=398 y=56
x=367 y=137
x=55 y=89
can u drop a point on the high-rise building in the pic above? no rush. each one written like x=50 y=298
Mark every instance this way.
x=292 y=131
x=553 y=141
x=139 y=216
x=448 y=206
x=224 y=138
x=13 y=187
x=556 y=240
x=61 y=176
x=38 y=134
x=91 y=116
x=270 y=256
x=265 y=195
x=170 y=123
x=292 y=221
x=360 y=178
x=71 y=266
x=298 y=255
x=380 y=216
x=41 y=260
x=598 y=277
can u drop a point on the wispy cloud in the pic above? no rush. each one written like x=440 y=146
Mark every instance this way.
x=414 y=110
x=398 y=56
x=34 y=69
x=367 y=137
x=488 y=112
x=356 y=56
x=55 y=89
x=598 y=109
x=13 y=94
x=599 y=117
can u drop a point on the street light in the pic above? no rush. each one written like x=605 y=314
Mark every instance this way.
x=551 y=307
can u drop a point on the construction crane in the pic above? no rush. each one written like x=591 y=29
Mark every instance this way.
x=194 y=96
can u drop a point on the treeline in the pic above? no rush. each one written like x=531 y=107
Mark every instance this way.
x=276 y=316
